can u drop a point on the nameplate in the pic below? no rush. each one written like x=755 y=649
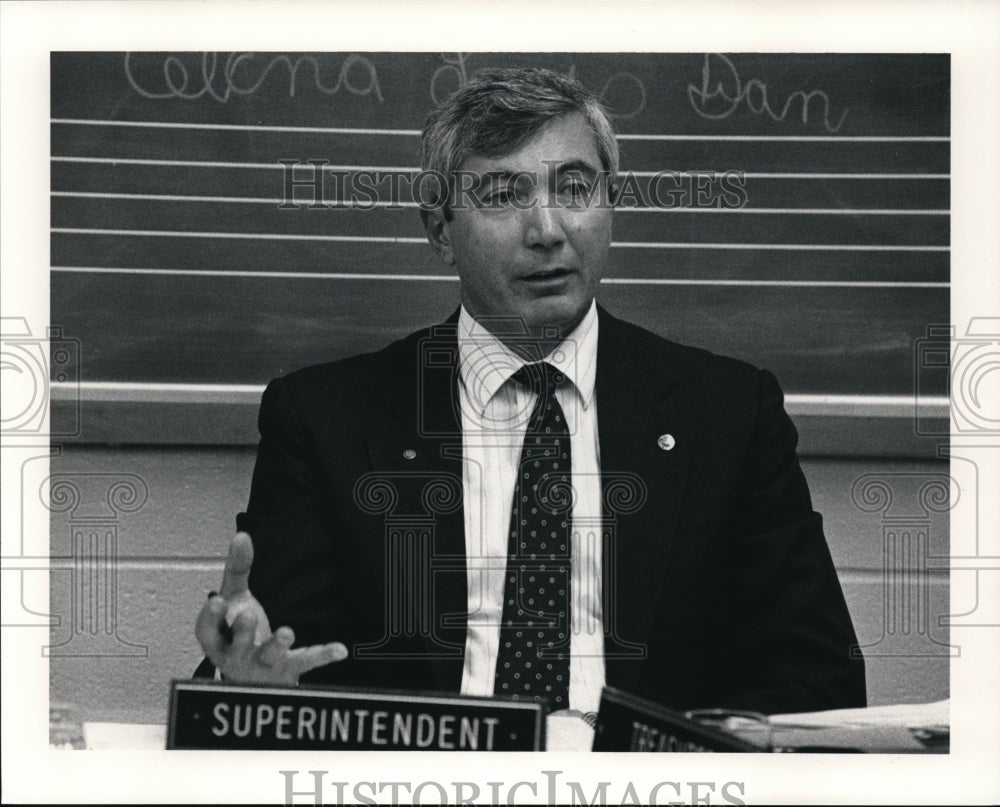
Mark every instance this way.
x=220 y=715
x=629 y=723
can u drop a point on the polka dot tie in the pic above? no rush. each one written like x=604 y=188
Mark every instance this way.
x=533 y=659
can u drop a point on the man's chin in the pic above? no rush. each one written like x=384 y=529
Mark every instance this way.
x=558 y=313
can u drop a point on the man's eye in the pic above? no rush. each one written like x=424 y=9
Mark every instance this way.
x=576 y=190
x=502 y=197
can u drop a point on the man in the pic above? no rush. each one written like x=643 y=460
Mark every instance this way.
x=623 y=511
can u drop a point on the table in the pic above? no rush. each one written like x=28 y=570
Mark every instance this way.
x=900 y=729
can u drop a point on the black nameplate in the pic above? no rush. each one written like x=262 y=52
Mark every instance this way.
x=628 y=723
x=219 y=715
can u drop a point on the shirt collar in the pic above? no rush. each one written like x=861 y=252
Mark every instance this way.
x=485 y=363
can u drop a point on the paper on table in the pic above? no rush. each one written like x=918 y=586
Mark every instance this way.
x=909 y=715
x=897 y=729
x=568 y=731
x=125 y=736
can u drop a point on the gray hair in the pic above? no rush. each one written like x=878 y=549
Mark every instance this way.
x=500 y=110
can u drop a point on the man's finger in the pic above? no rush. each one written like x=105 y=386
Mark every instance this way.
x=208 y=629
x=308 y=658
x=236 y=575
x=244 y=629
x=274 y=649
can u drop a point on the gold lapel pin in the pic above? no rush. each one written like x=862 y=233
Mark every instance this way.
x=666 y=442
x=409 y=454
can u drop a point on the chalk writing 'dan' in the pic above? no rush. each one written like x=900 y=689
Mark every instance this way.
x=721 y=93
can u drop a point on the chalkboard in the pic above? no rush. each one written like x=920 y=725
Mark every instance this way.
x=174 y=261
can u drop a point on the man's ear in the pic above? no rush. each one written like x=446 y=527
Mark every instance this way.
x=437 y=226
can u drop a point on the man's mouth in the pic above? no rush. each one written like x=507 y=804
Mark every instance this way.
x=542 y=276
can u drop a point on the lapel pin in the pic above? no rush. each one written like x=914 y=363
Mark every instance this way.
x=666 y=442
x=409 y=454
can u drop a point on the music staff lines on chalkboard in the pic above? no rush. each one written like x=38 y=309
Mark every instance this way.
x=168 y=187
x=416 y=132
x=226 y=137
x=275 y=200
x=638 y=202
x=114 y=161
x=390 y=239
x=620 y=281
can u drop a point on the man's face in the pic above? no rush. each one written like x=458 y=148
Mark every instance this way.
x=534 y=247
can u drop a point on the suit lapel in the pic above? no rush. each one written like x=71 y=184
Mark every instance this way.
x=643 y=487
x=418 y=446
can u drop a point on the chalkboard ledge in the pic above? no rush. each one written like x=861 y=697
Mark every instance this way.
x=834 y=426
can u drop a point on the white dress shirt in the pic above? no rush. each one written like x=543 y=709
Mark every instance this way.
x=495 y=414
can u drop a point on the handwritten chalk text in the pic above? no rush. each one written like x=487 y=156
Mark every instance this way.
x=623 y=93
x=191 y=76
x=721 y=93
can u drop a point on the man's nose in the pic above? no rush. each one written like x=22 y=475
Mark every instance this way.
x=543 y=225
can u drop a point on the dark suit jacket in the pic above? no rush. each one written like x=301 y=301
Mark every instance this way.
x=718 y=588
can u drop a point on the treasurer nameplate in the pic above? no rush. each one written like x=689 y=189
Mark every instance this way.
x=216 y=714
x=628 y=723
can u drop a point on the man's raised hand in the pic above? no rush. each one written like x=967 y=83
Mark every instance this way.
x=235 y=633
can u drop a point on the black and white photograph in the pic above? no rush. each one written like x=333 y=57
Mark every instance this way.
x=558 y=396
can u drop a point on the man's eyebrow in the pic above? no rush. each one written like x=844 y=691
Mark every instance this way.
x=496 y=176
x=579 y=166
